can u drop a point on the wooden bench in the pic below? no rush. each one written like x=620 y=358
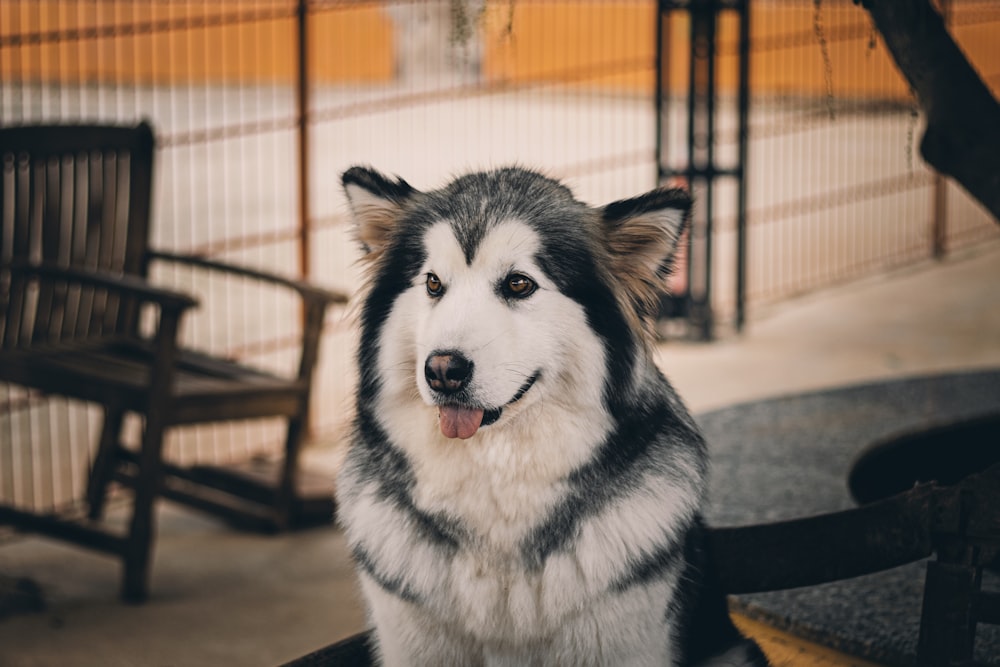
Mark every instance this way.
x=74 y=297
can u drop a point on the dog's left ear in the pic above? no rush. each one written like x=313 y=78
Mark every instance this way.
x=642 y=235
x=377 y=203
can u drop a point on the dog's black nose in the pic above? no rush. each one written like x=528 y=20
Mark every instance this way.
x=447 y=372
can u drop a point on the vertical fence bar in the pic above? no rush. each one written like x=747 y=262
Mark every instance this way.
x=302 y=129
x=660 y=89
x=701 y=163
x=939 y=191
x=939 y=224
x=676 y=304
x=743 y=112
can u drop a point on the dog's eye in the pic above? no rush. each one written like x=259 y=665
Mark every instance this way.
x=434 y=286
x=518 y=286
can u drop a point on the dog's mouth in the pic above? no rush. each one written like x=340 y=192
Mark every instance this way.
x=460 y=421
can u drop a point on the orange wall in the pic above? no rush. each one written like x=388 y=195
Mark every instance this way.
x=232 y=41
x=607 y=44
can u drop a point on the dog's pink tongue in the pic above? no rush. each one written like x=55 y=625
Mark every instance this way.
x=458 y=422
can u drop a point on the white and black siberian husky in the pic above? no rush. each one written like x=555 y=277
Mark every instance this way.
x=523 y=486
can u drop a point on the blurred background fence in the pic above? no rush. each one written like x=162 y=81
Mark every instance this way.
x=259 y=105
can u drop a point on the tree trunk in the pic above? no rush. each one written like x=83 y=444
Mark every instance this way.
x=962 y=138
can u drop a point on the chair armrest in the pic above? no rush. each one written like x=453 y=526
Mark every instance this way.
x=315 y=300
x=123 y=284
x=172 y=306
x=309 y=292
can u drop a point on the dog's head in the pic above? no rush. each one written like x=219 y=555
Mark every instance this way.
x=501 y=290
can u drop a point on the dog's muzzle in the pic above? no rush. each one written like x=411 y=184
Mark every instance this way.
x=448 y=373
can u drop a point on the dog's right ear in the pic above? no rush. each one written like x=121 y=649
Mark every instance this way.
x=376 y=203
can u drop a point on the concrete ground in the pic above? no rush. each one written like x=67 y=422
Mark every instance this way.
x=222 y=597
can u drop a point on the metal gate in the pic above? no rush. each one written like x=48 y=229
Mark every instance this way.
x=798 y=137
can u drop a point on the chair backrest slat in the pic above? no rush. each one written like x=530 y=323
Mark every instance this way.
x=75 y=196
x=52 y=215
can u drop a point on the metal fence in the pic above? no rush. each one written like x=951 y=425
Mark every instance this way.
x=835 y=187
x=260 y=104
x=840 y=190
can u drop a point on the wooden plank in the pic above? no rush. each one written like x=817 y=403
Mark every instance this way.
x=828 y=547
x=69 y=139
x=53 y=526
x=100 y=370
x=48 y=180
x=787 y=650
x=257 y=480
x=195 y=409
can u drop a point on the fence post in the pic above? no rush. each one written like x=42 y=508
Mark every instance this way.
x=939 y=193
x=302 y=135
x=743 y=111
x=302 y=131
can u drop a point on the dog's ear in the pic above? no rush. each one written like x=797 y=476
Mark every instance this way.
x=376 y=202
x=642 y=235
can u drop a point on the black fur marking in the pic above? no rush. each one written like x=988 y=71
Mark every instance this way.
x=614 y=471
x=574 y=271
x=523 y=389
x=405 y=254
x=566 y=257
x=699 y=608
x=492 y=415
x=389 y=468
x=391 y=585
x=374 y=182
x=650 y=568
x=651 y=201
x=475 y=203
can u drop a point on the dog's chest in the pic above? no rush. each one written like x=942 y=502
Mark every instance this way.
x=498 y=500
x=498 y=505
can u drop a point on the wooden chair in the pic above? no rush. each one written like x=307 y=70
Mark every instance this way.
x=74 y=294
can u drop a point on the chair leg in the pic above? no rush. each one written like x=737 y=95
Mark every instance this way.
x=141 y=533
x=103 y=468
x=947 y=623
x=285 y=497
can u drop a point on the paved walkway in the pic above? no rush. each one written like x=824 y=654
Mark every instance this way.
x=222 y=597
